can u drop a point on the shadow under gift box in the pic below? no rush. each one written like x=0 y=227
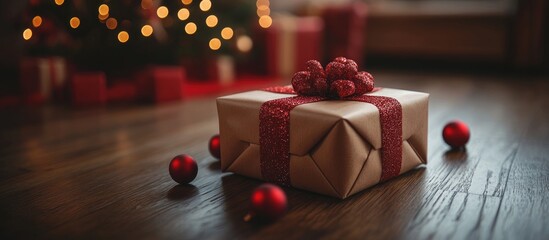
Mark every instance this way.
x=335 y=145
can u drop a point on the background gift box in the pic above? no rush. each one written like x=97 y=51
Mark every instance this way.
x=290 y=42
x=344 y=31
x=45 y=77
x=89 y=88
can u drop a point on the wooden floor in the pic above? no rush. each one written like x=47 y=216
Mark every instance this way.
x=103 y=173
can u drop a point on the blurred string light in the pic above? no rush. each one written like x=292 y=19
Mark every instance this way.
x=74 y=22
x=112 y=23
x=146 y=4
x=123 y=36
x=103 y=12
x=211 y=21
x=260 y=3
x=265 y=21
x=27 y=34
x=244 y=43
x=190 y=28
x=147 y=30
x=263 y=7
x=102 y=17
x=215 y=44
x=263 y=12
x=227 y=33
x=37 y=21
x=205 y=5
x=103 y=9
x=183 y=14
x=162 y=12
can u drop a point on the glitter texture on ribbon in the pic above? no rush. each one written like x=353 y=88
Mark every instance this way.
x=280 y=89
x=274 y=137
x=390 y=117
x=274 y=133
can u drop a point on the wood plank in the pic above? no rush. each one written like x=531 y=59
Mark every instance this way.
x=524 y=210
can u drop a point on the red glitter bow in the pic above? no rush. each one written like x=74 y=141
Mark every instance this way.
x=341 y=79
x=312 y=86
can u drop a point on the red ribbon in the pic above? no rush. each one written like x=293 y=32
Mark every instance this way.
x=274 y=133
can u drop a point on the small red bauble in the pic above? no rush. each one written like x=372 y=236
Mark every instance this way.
x=183 y=169
x=215 y=146
x=456 y=134
x=268 y=202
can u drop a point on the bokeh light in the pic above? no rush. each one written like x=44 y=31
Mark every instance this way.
x=227 y=33
x=215 y=43
x=186 y=2
x=111 y=23
x=147 y=30
x=265 y=21
x=244 y=43
x=205 y=5
x=102 y=17
x=183 y=14
x=162 y=12
x=123 y=36
x=146 y=4
x=27 y=34
x=74 y=22
x=263 y=10
x=59 y=2
x=211 y=21
x=37 y=21
x=261 y=3
x=103 y=9
x=190 y=28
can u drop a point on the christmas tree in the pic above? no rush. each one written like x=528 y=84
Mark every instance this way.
x=112 y=35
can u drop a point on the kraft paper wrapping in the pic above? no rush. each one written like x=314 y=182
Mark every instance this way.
x=334 y=145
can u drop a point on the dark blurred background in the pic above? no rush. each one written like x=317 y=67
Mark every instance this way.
x=105 y=51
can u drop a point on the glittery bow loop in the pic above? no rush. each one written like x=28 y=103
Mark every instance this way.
x=340 y=79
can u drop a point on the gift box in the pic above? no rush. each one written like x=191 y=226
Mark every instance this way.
x=222 y=70
x=122 y=91
x=290 y=41
x=89 y=89
x=43 y=78
x=344 y=31
x=332 y=147
x=168 y=82
x=160 y=83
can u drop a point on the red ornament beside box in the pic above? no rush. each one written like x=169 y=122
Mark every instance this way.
x=337 y=137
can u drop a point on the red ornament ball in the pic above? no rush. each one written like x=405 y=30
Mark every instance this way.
x=268 y=202
x=215 y=146
x=456 y=134
x=183 y=169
